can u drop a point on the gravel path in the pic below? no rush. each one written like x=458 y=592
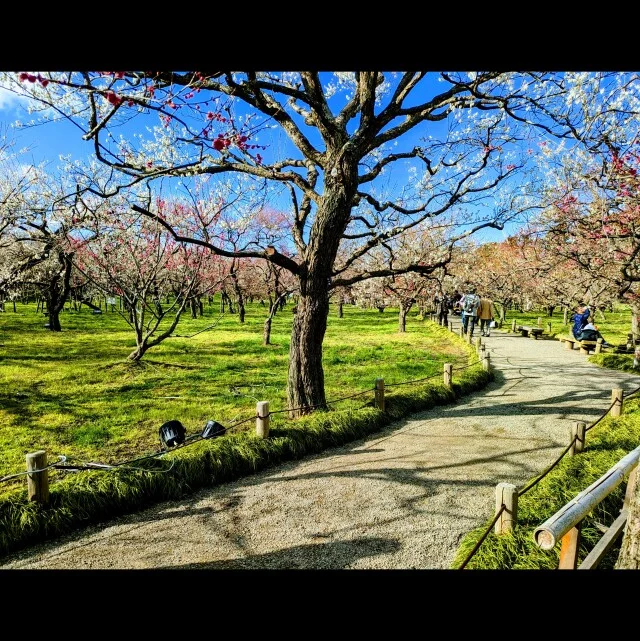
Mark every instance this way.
x=399 y=500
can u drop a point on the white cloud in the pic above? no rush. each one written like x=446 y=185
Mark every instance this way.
x=8 y=99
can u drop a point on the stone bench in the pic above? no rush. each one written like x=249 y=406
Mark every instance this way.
x=526 y=331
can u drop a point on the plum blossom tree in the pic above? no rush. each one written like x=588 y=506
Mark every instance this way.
x=134 y=257
x=39 y=214
x=592 y=223
x=450 y=140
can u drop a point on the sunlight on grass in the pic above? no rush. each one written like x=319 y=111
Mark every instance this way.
x=74 y=393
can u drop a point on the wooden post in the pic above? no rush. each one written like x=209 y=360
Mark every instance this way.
x=478 y=344
x=579 y=430
x=548 y=328
x=506 y=494
x=539 y=321
x=569 y=549
x=450 y=326
x=262 y=419
x=448 y=374
x=486 y=364
x=38 y=482
x=598 y=348
x=380 y=394
x=461 y=331
x=513 y=325
x=616 y=395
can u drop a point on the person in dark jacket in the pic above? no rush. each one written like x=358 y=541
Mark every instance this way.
x=591 y=333
x=580 y=319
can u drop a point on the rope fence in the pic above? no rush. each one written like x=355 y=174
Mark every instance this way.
x=575 y=446
x=36 y=462
x=507 y=494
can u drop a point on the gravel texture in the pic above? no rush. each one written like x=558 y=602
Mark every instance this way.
x=401 y=499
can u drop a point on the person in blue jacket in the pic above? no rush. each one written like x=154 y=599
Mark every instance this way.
x=580 y=319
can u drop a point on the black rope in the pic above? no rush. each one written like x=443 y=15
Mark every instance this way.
x=484 y=536
x=303 y=407
x=467 y=366
x=536 y=481
x=418 y=380
x=614 y=402
x=373 y=389
x=246 y=420
x=634 y=392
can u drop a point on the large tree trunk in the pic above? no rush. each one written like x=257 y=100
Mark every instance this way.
x=305 y=388
x=57 y=292
x=629 y=557
x=305 y=385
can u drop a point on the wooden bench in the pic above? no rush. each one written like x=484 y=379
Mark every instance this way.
x=586 y=347
x=526 y=330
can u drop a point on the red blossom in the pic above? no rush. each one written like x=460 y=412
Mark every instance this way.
x=113 y=98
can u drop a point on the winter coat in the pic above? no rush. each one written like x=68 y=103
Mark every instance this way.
x=579 y=321
x=484 y=310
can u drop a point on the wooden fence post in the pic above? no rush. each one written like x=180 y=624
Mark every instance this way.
x=38 y=482
x=461 y=329
x=478 y=344
x=598 y=348
x=448 y=374
x=506 y=494
x=616 y=395
x=539 y=321
x=486 y=363
x=450 y=326
x=513 y=325
x=262 y=419
x=579 y=430
x=380 y=394
x=549 y=328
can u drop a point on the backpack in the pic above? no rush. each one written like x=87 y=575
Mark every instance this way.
x=470 y=304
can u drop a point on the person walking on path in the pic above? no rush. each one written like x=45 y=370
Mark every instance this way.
x=442 y=304
x=485 y=315
x=469 y=302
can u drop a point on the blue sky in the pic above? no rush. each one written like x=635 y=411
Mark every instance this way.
x=49 y=141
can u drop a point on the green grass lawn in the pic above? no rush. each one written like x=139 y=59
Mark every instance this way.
x=74 y=393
